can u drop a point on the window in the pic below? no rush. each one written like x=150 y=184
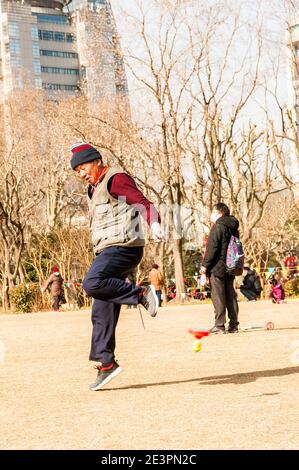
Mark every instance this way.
x=70 y=38
x=46 y=35
x=38 y=83
x=58 y=19
x=13 y=29
x=61 y=70
x=83 y=71
x=55 y=36
x=36 y=66
x=15 y=46
x=119 y=71
x=15 y=61
x=68 y=55
x=19 y=82
x=121 y=89
x=59 y=86
x=59 y=36
x=34 y=33
x=35 y=50
x=4 y=29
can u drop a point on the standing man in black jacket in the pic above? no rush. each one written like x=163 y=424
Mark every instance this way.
x=223 y=293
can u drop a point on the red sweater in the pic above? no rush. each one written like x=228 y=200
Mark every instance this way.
x=123 y=185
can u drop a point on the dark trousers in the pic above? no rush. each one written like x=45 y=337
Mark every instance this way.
x=249 y=294
x=159 y=295
x=56 y=302
x=224 y=297
x=105 y=282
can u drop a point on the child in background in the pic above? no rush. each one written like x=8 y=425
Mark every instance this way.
x=277 y=291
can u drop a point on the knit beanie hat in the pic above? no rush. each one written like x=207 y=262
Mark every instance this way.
x=83 y=153
x=55 y=269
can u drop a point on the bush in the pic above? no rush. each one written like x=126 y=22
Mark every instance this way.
x=24 y=297
x=292 y=287
x=82 y=299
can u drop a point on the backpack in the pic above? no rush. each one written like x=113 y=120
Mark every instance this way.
x=235 y=257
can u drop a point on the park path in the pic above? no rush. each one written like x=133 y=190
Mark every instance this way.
x=239 y=392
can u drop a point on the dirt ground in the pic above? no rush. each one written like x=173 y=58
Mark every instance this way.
x=239 y=392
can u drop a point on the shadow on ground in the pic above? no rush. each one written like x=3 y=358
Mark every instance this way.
x=237 y=379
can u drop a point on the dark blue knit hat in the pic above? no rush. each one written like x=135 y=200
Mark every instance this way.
x=83 y=153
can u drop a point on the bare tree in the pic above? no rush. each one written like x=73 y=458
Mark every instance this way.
x=191 y=145
x=20 y=189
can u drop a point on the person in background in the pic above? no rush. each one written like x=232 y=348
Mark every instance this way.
x=71 y=294
x=223 y=294
x=251 y=287
x=156 y=278
x=277 y=291
x=291 y=263
x=171 y=291
x=56 y=283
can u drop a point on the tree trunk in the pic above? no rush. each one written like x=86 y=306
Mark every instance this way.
x=178 y=270
x=22 y=274
x=5 y=296
x=161 y=254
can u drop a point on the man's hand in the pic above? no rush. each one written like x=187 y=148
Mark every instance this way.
x=203 y=270
x=157 y=232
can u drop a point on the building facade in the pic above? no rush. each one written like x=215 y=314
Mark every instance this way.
x=295 y=67
x=64 y=47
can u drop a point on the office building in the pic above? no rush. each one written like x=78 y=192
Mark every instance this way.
x=64 y=47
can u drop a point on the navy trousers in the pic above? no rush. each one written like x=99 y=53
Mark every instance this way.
x=159 y=295
x=105 y=282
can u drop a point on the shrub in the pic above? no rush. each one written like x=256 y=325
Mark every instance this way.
x=24 y=297
x=292 y=287
x=82 y=299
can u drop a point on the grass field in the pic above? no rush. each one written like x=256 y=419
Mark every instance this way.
x=239 y=392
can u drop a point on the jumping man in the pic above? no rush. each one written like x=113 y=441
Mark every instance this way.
x=115 y=204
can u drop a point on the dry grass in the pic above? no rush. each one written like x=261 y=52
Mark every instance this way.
x=239 y=392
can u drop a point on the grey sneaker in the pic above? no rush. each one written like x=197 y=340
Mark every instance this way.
x=217 y=331
x=105 y=374
x=150 y=301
